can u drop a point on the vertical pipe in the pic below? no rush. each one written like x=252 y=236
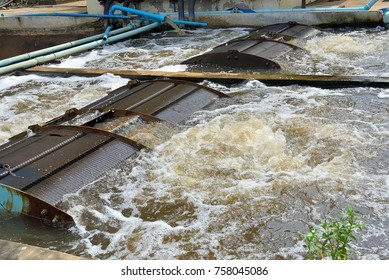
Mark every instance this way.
x=106 y=33
x=303 y=4
x=181 y=11
x=126 y=3
x=192 y=4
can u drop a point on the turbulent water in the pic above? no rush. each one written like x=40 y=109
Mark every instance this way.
x=241 y=178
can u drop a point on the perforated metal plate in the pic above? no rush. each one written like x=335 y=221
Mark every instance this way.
x=258 y=50
x=58 y=161
x=169 y=100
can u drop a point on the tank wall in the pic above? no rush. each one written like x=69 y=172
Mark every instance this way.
x=155 y=6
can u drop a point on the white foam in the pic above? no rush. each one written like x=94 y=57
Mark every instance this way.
x=32 y=99
x=173 y=68
x=153 y=52
x=383 y=94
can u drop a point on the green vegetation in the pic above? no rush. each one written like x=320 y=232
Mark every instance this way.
x=332 y=239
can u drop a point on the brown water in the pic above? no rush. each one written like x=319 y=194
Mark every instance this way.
x=242 y=177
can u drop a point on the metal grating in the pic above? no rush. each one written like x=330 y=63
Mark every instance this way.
x=82 y=172
x=75 y=149
x=258 y=50
x=160 y=98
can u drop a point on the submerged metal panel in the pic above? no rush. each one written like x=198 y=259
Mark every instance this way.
x=73 y=150
x=258 y=50
x=61 y=153
x=129 y=97
x=286 y=31
x=82 y=172
x=152 y=98
x=179 y=110
x=257 y=54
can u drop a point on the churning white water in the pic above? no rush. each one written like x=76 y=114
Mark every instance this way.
x=241 y=178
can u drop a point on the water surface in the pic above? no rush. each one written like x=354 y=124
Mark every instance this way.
x=241 y=178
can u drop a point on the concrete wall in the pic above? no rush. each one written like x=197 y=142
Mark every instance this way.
x=349 y=18
x=207 y=5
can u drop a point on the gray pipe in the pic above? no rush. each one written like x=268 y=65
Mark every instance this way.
x=192 y=4
x=181 y=10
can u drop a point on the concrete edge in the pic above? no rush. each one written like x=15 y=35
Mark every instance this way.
x=16 y=251
x=331 y=18
x=50 y=24
x=336 y=18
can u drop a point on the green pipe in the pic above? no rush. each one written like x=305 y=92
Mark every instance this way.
x=386 y=19
x=27 y=56
x=88 y=46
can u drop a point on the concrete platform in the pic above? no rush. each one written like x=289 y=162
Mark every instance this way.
x=69 y=7
x=348 y=4
x=10 y=22
x=16 y=251
x=26 y=34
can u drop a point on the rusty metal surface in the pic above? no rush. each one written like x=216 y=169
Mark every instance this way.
x=257 y=50
x=16 y=201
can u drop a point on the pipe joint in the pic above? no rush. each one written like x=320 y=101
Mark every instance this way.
x=366 y=7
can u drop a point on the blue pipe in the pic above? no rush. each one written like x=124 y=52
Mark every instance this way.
x=88 y=46
x=106 y=33
x=386 y=19
x=136 y=12
x=370 y=4
x=64 y=46
x=151 y=16
x=73 y=15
